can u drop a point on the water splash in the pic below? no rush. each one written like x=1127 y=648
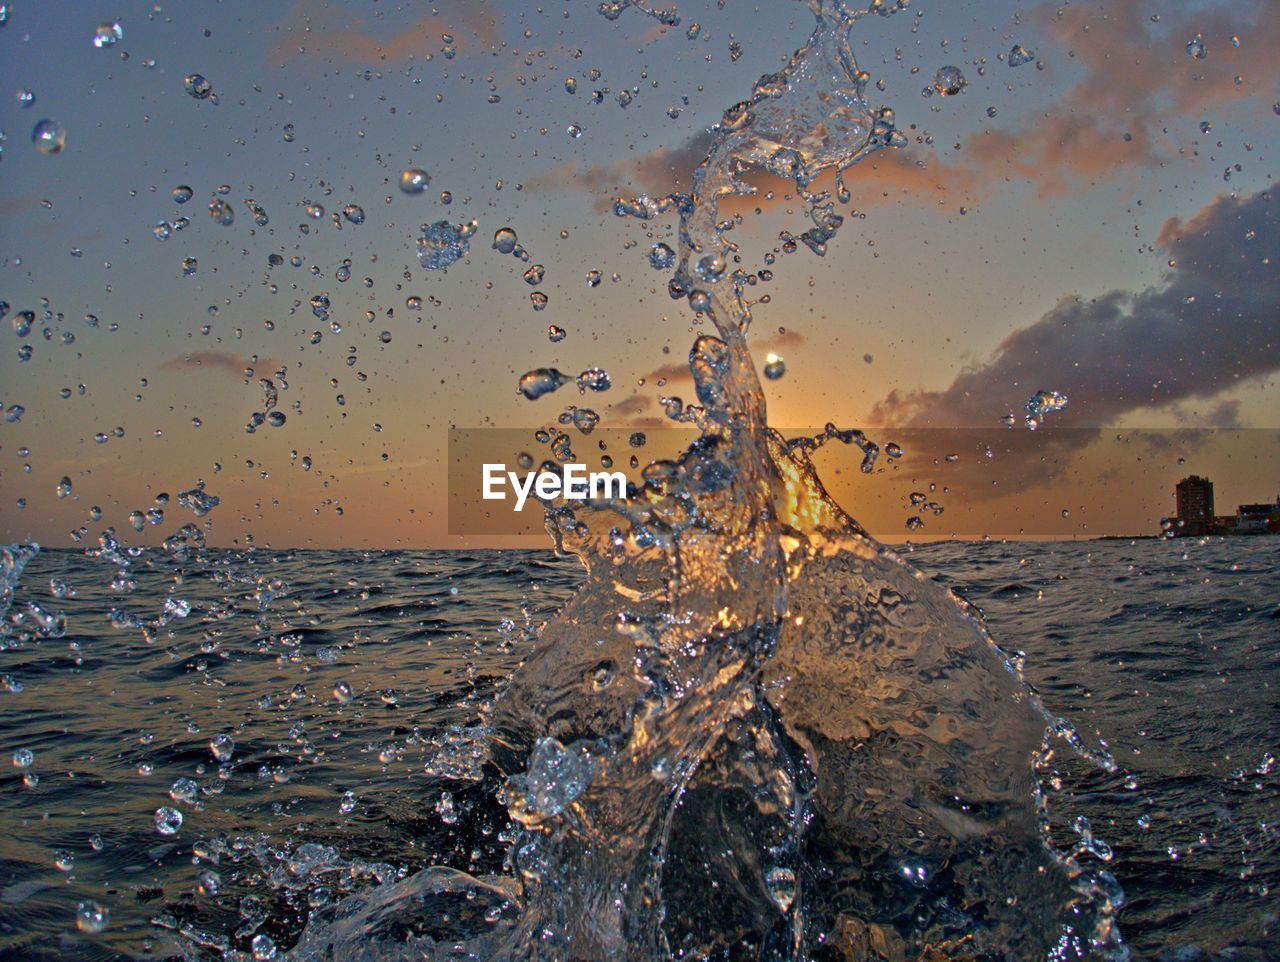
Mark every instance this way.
x=749 y=696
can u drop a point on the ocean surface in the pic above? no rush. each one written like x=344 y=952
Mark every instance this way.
x=322 y=710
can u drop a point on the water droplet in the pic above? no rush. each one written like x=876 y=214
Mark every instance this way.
x=571 y=84
x=222 y=746
x=413 y=180
x=540 y=381
x=64 y=861
x=24 y=758
x=195 y=85
x=539 y=300
x=168 y=820
x=594 y=379
x=353 y=213
x=781 y=883
x=1196 y=47
x=182 y=193
x=185 y=790
x=1019 y=55
x=347 y=804
x=533 y=276
x=594 y=278
x=26 y=98
x=555 y=334
x=208 y=883
x=440 y=245
x=342 y=693
x=1046 y=402
x=774 y=367
x=107 y=35
x=264 y=949
x=220 y=212
x=49 y=136
x=661 y=257
x=189 y=265
x=709 y=268
x=949 y=81
x=446 y=809
x=64 y=487
x=504 y=240
x=92 y=917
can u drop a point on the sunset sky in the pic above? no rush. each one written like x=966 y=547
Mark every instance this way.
x=1099 y=221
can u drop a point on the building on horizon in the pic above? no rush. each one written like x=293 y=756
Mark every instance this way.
x=1257 y=518
x=1195 y=516
x=1194 y=497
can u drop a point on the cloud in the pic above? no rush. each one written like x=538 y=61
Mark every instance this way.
x=19 y=204
x=1224 y=414
x=669 y=372
x=1212 y=322
x=1138 y=81
x=327 y=31
x=660 y=172
x=636 y=411
x=631 y=404
x=1060 y=149
x=222 y=361
x=1135 y=65
x=887 y=177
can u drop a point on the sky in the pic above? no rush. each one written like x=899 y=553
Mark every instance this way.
x=1099 y=221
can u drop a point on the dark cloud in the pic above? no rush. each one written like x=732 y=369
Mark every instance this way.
x=658 y=173
x=1224 y=414
x=890 y=176
x=669 y=372
x=222 y=361
x=629 y=406
x=779 y=340
x=1211 y=323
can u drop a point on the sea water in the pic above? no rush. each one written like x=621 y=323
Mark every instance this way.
x=1165 y=649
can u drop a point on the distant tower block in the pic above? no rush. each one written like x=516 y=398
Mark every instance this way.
x=1195 y=505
